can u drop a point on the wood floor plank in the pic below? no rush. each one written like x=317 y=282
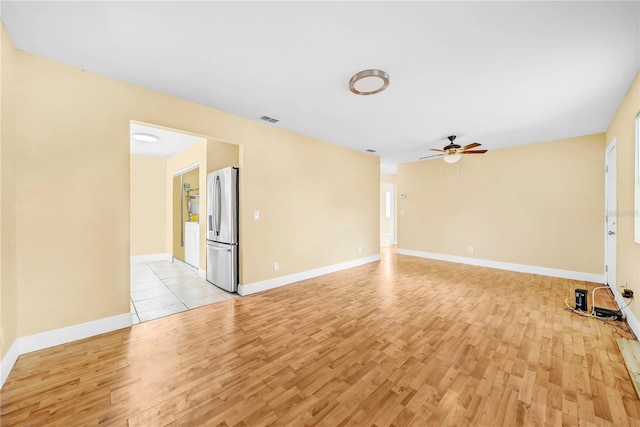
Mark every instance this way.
x=406 y=341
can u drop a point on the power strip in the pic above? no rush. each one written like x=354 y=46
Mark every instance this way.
x=605 y=312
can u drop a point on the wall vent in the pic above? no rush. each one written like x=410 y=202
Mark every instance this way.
x=370 y=150
x=269 y=119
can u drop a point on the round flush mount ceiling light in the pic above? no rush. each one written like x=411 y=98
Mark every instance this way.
x=146 y=137
x=369 y=82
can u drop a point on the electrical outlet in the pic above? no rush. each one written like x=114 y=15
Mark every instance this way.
x=275 y=266
x=470 y=249
x=359 y=249
x=256 y=215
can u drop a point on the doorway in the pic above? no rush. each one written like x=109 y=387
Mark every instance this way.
x=387 y=214
x=185 y=206
x=611 y=213
x=166 y=207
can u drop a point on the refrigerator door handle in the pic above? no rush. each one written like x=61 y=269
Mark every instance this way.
x=220 y=249
x=219 y=197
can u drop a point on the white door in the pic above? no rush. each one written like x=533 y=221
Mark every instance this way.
x=611 y=214
x=191 y=244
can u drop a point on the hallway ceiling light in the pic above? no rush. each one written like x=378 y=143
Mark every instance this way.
x=146 y=137
x=369 y=82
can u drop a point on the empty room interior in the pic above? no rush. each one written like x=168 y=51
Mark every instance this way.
x=319 y=213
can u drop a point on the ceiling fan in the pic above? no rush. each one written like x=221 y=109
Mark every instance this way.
x=452 y=152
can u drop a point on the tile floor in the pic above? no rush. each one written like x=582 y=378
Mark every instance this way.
x=161 y=288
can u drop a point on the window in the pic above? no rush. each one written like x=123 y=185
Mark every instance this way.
x=387 y=204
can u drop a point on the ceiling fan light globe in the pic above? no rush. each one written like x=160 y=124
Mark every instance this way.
x=452 y=158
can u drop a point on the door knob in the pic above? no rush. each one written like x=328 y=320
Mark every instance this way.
x=612 y=232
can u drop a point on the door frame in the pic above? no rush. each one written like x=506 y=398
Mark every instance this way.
x=610 y=273
x=180 y=172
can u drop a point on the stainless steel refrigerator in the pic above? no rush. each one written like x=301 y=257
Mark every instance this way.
x=222 y=228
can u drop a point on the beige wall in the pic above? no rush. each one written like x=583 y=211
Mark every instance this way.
x=148 y=205
x=8 y=144
x=540 y=204
x=73 y=127
x=320 y=201
x=221 y=155
x=622 y=128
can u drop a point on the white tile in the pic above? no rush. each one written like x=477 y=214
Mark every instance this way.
x=135 y=287
x=156 y=302
x=150 y=293
x=206 y=300
x=144 y=278
x=185 y=280
x=161 y=312
x=180 y=275
x=195 y=291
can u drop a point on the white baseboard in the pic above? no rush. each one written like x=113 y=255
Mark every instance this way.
x=202 y=273
x=522 y=268
x=8 y=361
x=60 y=336
x=631 y=318
x=252 y=288
x=151 y=257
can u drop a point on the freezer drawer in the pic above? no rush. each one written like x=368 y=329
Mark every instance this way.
x=222 y=265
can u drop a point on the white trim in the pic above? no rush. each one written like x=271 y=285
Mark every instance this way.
x=60 y=336
x=636 y=219
x=631 y=318
x=252 y=288
x=80 y=331
x=8 y=361
x=613 y=145
x=202 y=273
x=151 y=258
x=187 y=169
x=522 y=268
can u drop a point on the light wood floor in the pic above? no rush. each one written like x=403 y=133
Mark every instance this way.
x=405 y=341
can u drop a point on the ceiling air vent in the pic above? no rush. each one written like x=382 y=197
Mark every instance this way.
x=269 y=119
x=370 y=150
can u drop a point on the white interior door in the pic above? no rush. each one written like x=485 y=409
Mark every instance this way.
x=611 y=215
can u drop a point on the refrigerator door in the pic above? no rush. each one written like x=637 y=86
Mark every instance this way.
x=222 y=262
x=222 y=206
x=211 y=209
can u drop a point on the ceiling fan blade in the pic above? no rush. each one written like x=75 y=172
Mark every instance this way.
x=435 y=149
x=474 y=152
x=472 y=145
x=428 y=157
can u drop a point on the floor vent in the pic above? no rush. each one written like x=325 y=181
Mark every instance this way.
x=269 y=119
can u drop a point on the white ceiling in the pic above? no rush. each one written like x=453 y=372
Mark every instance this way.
x=169 y=144
x=500 y=73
